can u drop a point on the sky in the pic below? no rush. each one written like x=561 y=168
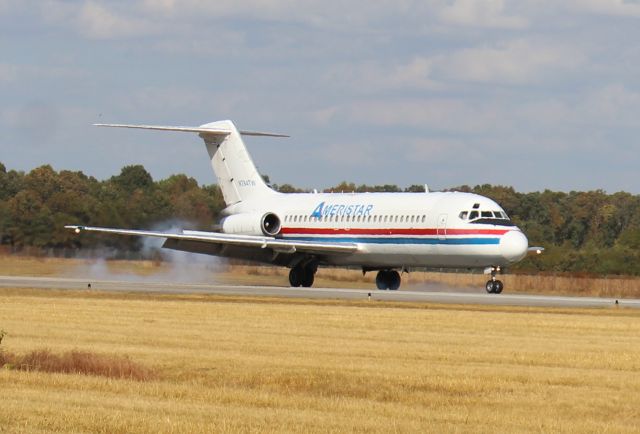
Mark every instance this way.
x=531 y=94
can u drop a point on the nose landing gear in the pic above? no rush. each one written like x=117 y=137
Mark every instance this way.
x=494 y=286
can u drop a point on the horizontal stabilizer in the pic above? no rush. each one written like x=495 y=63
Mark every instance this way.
x=200 y=130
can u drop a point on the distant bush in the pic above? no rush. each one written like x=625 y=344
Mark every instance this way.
x=77 y=362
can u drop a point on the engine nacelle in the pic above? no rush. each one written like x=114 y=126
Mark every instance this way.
x=252 y=224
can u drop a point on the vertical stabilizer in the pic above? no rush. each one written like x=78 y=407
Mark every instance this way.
x=237 y=176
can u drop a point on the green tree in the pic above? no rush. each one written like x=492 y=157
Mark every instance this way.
x=132 y=178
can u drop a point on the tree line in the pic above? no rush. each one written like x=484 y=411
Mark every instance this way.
x=583 y=232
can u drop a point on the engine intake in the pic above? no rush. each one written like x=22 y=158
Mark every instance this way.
x=270 y=224
x=252 y=224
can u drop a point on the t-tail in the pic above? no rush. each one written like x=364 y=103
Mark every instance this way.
x=237 y=176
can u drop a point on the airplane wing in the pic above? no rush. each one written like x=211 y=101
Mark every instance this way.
x=535 y=250
x=276 y=244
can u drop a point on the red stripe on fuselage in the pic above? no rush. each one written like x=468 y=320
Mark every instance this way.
x=391 y=231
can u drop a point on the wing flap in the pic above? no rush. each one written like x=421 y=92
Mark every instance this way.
x=276 y=244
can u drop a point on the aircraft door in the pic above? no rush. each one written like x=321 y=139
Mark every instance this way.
x=442 y=226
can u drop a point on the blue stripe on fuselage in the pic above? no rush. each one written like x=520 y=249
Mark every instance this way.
x=400 y=240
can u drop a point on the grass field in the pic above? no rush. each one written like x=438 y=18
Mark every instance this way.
x=227 y=364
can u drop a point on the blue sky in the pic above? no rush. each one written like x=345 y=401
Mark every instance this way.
x=533 y=94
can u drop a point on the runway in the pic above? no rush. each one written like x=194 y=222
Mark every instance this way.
x=479 y=298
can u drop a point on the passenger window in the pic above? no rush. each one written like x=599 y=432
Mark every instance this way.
x=463 y=215
x=473 y=215
x=423 y=218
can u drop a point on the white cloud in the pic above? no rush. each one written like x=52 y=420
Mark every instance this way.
x=513 y=62
x=324 y=13
x=436 y=114
x=488 y=13
x=370 y=77
x=8 y=73
x=629 y=8
x=97 y=20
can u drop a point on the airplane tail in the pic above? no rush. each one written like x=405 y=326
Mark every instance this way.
x=237 y=176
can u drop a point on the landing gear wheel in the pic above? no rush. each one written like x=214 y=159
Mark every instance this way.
x=381 y=280
x=295 y=277
x=388 y=279
x=303 y=275
x=498 y=287
x=489 y=286
x=307 y=278
x=494 y=286
x=394 y=280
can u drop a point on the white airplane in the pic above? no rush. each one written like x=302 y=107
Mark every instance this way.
x=383 y=232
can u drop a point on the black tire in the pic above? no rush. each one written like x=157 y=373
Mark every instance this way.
x=489 y=287
x=498 y=287
x=382 y=283
x=393 y=280
x=295 y=278
x=307 y=278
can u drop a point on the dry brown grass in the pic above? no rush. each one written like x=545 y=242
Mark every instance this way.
x=277 y=365
x=77 y=362
x=614 y=286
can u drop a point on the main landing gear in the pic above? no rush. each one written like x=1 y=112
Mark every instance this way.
x=494 y=286
x=303 y=274
x=388 y=279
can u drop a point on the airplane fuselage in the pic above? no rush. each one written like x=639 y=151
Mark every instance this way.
x=394 y=230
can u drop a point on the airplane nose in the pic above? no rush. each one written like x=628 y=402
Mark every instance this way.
x=513 y=246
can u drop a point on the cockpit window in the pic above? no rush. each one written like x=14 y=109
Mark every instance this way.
x=486 y=217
